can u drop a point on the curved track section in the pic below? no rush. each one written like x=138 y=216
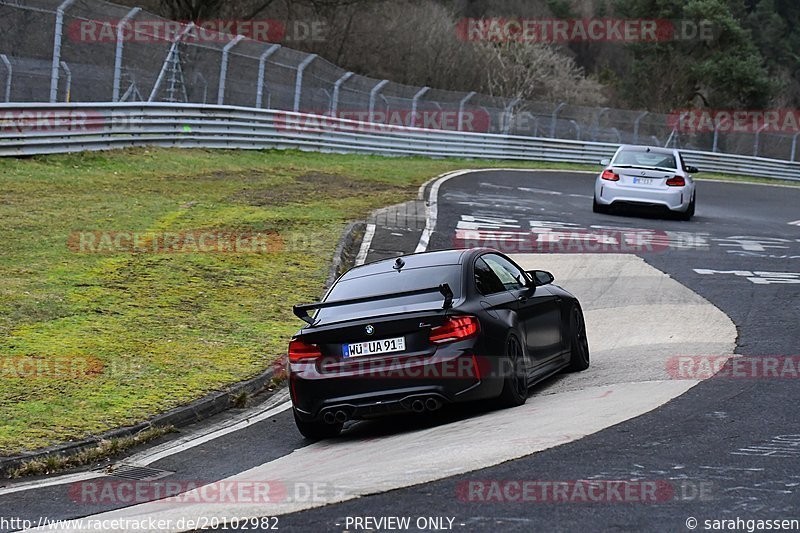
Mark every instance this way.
x=627 y=417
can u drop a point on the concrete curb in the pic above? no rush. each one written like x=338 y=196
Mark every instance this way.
x=344 y=256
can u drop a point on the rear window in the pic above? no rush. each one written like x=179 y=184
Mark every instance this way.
x=642 y=158
x=389 y=282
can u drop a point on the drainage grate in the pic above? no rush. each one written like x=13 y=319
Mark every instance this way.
x=139 y=473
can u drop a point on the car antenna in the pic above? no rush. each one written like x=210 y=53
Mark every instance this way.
x=399 y=263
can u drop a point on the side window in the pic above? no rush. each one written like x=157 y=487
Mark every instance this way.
x=486 y=281
x=510 y=276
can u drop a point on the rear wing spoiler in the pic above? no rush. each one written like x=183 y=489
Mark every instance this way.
x=301 y=311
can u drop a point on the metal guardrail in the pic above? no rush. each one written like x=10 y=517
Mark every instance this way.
x=29 y=129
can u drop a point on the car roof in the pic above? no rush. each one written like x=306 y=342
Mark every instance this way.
x=418 y=260
x=655 y=149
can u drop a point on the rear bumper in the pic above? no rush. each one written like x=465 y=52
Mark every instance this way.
x=673 y=198
x=393 y=388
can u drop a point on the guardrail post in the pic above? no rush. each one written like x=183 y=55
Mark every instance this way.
x=54 y=68
x=378 y=86
x=262 y=66
x=298 y=83
x=757 y=139
x=554 y=117
x=336 y=89
x=9 y=76
x=172 y=50
x=419 y=94
x=507 y=115
x=223 y=68
x=118 y=52
x=69 y=80
x=794 y=145
x=636 y=126
x=461 y=109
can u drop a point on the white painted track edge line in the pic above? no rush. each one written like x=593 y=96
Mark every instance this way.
x=366 y=242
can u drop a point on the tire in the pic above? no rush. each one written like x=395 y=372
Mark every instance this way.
x=689 y=213
x=317 y=430
x=515 y=384
x=579 y=345
x=599 y=208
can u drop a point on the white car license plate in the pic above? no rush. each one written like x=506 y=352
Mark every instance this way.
x=359 y=349
x=643 y=181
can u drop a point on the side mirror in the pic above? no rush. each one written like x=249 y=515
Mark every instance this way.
x=692 y=170
x=540 y=277
x=605 y=162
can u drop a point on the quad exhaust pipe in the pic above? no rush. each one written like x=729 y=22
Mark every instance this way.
x=431 y=403
x=333 y=417
x=418 y=404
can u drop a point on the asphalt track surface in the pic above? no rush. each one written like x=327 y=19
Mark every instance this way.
x=727 y=448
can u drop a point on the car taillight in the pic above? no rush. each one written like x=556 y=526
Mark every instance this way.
x=299 y=350
x=609 y=176
x=676 y=181
x=455 y=329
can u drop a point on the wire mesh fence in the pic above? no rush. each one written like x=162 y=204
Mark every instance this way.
x=92 y=51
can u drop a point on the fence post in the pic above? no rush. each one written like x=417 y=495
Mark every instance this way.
x=636 y=126
x=298 y=85
x=794 y=145
x=9 y=76
x=507 y=115
x=54 y=68
x=419 y=94
x=118 y=52
x=553 y=118
x=69 y=80
x=716 y=137
x=577 y=129
x=596 y=127
x=758 y=137
x=336 y=88
x=372 y=94
x=262 y=65
x=461 y=108
x=223 y=68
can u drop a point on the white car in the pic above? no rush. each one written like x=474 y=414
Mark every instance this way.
x=646 y=176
